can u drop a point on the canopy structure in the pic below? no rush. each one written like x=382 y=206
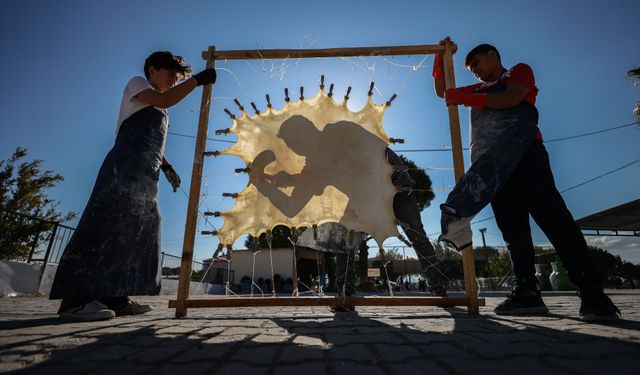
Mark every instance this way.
x=622 y=220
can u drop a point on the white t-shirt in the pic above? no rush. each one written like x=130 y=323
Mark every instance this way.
x=130 y=104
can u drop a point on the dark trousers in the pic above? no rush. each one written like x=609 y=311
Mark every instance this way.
x=531 y=191
x=405 y=207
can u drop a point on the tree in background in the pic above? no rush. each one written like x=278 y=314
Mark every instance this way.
x=634 y=76
x=422 y=183
x=26 y=213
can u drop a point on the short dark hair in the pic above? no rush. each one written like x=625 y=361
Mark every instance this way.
x=482 y=49
x=167 y=60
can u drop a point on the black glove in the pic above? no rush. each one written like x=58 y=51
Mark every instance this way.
x=171 y=175
x=205 y=77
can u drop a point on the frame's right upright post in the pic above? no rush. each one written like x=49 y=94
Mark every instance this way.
x=468 y=261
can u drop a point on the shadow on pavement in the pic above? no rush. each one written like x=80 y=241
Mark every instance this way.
x=444 y=341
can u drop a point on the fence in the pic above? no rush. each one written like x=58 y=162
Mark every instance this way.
x=171 y=267
x=42 y=240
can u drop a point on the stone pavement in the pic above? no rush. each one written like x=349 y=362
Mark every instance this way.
x=311 y=340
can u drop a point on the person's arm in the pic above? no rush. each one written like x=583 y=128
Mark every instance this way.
x=170 y=97
x=175 y=94
x=520 y=82
x=513 y=95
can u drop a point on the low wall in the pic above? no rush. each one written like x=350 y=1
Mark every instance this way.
x=19 y=278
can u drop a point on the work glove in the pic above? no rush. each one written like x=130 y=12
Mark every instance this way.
x=205 y=77
x=457 y=97
x=438 y=63
x=171 y=175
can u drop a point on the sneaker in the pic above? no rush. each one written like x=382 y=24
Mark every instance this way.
x=522 y=301
x=131 y=308
x=597 y=306
x=88 y=312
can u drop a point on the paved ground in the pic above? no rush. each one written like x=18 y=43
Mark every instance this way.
x=307 y=341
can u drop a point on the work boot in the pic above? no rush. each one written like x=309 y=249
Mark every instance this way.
x=597 y=306
x=522 y=300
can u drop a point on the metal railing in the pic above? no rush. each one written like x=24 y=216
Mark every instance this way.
x=171 y=267
x=43 y=240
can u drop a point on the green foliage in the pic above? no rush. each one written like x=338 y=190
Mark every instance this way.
x=422 y=183
x=612 y=266
x=23 y=201
x=500 y=265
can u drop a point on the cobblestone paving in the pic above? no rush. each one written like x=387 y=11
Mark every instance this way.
x=311 y=340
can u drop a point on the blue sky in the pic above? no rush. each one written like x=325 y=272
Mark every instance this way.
x=65 y=65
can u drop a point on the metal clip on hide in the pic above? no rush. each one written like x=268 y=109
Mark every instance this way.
x=230 y=195
x=242 y=170
x=388 y=103
x=233 y=117
x=371 y=89
x=238 y=104
x=346 y=97
x=255 y=108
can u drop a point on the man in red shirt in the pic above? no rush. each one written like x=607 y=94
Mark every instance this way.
x=510 y=169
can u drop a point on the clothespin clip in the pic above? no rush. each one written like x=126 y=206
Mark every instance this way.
x=233 y=117
x=396 y=140
x=286 y=95
x=223 y=131
x=238 y=104
x=301 y=93
x=242 y=170
x=371 y=89
x=322 y=82
x=209 y=232
x=209 y=213
x=268 y=101
x=211 y=153
x=255 y=108
x=390 y=100
x=346 y=97
x=230 y=195
x=330 y=94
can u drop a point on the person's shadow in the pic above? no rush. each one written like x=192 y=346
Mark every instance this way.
x=342 y=155
x=441 y=341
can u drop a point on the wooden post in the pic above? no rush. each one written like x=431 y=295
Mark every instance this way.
x=468 y=262
x=194 y=195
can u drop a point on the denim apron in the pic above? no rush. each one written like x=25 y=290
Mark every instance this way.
x=115 y=249
x=499 y=139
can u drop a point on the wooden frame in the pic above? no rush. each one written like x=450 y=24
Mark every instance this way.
x=182 y=302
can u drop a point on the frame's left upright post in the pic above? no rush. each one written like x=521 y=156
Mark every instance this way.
x=194 y=194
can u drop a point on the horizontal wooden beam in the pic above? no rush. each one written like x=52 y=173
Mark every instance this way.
x=325 y=301
x=257 y=54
